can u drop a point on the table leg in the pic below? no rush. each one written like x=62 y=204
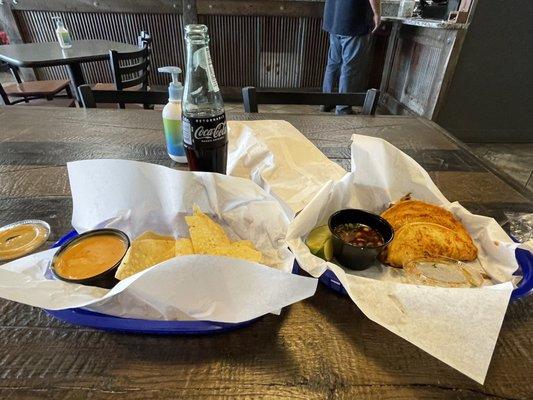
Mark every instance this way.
x=76 y=79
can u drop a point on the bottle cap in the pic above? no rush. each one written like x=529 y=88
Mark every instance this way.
x=175 y=88
x=21 y=238
x=59 y=22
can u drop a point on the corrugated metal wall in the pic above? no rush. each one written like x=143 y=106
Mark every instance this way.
x=246 y=50
x=234 y=48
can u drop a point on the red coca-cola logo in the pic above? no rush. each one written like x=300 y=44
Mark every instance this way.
x=215 y=133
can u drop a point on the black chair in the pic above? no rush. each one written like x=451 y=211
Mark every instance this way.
x=252 y=97
x=128 y=74
x=130 y=71
x=19 y=91
x=144 y=39
x=90 y=98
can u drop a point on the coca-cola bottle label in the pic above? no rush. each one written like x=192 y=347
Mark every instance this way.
x=205 y=131
x=202 y=59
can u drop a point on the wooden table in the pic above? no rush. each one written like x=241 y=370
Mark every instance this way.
x=323 y=347
x=31 y=55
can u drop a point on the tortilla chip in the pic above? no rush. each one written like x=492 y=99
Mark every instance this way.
x=146 y=251
x=183 y=247
x=238 y=250
x=151 y=235
x=205 y=233
x=207 y=237
x=247 y=243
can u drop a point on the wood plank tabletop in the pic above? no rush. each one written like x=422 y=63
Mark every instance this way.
x=323 y=347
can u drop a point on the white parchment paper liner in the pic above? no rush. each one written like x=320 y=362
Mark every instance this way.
x=276 y=156
x=458 y=326
x=136 y=197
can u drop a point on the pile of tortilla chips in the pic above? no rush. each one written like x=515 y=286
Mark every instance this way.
x=207 y=237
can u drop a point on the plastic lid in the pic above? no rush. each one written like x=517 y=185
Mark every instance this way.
x=59 y=21
x=21 y=238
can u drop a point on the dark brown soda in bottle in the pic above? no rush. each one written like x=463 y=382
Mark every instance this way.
x=205 y=137
x=207 y=148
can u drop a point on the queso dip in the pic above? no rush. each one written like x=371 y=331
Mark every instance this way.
x=90 y=256
x=19 y=239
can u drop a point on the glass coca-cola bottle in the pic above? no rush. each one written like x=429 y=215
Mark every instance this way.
x=205 y=137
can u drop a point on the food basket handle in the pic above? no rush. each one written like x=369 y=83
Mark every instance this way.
x=525 y=286
x=65 y=238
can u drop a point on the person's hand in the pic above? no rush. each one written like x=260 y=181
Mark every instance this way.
x=377 y=20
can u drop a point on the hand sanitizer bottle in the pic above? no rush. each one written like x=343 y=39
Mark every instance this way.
x=172 y=116
x=63 y=36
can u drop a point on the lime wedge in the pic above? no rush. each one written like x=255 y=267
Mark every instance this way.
x=328 y=250
x=319 y=242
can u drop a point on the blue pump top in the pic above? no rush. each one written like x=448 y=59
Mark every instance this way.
x=175 y=88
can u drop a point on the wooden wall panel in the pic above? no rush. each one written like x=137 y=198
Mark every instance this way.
x=419 y=62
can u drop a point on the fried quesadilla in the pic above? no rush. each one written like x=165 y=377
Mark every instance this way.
x=423 y=229
x=418 y=240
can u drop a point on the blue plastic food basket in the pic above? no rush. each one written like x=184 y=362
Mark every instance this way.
x=80 y=316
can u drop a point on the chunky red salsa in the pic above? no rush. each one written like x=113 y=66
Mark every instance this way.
x=359 y=235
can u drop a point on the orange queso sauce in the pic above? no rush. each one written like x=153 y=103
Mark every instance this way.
x=21 y=240
x=90 y=256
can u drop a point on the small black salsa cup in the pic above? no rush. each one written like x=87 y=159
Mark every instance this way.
x=352 y=256
x=105 y=279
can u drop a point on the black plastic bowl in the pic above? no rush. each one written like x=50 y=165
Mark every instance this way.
x=352 y=256
x=107 y=278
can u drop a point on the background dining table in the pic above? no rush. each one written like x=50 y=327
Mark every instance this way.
x=323 y=347
x=47 y=54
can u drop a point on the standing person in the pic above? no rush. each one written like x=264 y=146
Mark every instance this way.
x=349 y=24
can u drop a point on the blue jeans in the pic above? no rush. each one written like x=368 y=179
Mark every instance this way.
x=346 y=59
